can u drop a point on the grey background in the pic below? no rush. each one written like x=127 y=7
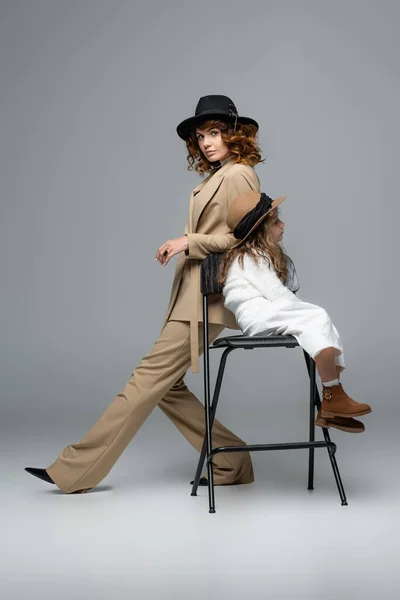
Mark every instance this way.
x=93 y=180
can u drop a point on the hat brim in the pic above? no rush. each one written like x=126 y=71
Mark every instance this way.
x=274 y=204
x=186 y=127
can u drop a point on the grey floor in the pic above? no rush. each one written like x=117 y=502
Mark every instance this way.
x=141 y=535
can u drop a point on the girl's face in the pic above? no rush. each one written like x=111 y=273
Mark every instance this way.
x=211 y=144
x=277 y=227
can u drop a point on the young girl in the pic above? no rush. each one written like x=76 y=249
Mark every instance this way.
x=253 y=273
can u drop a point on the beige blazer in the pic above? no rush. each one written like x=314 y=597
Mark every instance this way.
x=207 y=232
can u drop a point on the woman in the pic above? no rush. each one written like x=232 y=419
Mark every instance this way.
x=223 y=144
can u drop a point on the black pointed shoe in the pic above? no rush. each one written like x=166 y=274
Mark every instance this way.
x=202 y=481
x=41 y=473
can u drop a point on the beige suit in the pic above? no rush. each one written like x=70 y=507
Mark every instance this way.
x=158 y=380
x=207 y=232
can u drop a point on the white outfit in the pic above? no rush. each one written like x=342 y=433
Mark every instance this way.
x=263 y=305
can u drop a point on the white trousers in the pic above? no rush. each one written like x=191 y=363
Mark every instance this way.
x=308 y=323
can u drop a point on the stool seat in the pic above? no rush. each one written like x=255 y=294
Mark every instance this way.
x=256 y=341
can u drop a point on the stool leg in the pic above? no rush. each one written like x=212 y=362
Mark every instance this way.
x=332 y=458
x=311 y=424
x=311 y=368
x=211 y=496
x=206 y=350
x=214 y=404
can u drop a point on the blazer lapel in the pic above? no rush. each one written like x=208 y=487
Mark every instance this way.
x=203 y=193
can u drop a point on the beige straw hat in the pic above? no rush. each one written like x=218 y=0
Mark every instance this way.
x=247 y=211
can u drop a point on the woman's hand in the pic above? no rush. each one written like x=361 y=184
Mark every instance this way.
x=170 y=248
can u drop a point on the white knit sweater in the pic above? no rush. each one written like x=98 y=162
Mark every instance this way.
x=249 y=290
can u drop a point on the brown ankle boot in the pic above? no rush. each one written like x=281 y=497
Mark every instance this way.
x=336 y=403
x=342 y=423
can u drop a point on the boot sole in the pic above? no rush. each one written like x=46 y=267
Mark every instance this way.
x=340 y=427
x=331 y=415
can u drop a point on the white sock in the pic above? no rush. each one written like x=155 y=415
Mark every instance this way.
x=331 y=383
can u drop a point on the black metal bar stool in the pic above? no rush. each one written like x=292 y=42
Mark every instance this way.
x=208 y=286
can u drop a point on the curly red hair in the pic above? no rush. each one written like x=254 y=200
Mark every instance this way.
x=242 y=145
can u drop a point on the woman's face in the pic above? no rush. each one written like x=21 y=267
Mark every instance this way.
x=211 y=144
x=276 y=228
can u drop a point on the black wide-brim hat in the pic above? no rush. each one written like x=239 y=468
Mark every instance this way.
x=209 y=107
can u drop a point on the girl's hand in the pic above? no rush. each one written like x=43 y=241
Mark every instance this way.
x=170 y=248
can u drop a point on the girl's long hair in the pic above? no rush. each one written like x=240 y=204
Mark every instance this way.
x=242 y=145
x=258 y=245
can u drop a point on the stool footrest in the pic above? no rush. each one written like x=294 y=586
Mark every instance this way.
x=282 y=446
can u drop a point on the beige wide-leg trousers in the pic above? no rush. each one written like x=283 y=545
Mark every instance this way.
x=158 y=380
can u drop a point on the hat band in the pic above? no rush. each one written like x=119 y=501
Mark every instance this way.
x=251 y=218
x=213 y=111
